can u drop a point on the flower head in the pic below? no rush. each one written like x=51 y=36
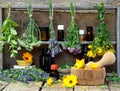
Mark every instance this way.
x=27 y=57
x=94 y=65
x=69 y=81
x=50 y=81
x=79 y=63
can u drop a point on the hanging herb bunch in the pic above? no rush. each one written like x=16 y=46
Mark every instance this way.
x=9 y=34
x=31 y=36
x=101 y=43
x=71 y=41
x=54 y=48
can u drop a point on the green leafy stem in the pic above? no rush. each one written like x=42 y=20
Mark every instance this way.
x=9 y=34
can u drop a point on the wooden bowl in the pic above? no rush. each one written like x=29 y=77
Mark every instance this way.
x=89 y=77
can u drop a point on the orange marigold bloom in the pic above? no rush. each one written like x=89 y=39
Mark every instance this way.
x=27 y=57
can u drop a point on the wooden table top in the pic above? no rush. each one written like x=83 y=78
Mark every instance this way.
x=40 y=86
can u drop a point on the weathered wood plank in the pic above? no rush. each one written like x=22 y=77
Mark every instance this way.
x=32 y=86
x=91 y=88
x=3 y=84
x=115 y=87
x=56 y=87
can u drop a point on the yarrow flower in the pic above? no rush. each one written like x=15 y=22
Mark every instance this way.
x=69 y=81
x=27 y=57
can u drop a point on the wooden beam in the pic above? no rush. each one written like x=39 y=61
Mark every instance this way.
x=118 y=40
x=1 y=54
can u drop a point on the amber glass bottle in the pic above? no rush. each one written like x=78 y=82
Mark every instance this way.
x=60 y=33
x=45 y=60
x=89 y=33
x=44 y=33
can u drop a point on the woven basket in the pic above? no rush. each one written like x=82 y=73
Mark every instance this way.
x=23 y=63
x=89 y=77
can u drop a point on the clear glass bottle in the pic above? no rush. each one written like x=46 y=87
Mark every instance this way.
x=81 y=35
x=89 y=33
x=54 y=73
x=60 y=33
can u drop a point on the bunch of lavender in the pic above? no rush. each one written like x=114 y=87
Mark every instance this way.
x=54 y=48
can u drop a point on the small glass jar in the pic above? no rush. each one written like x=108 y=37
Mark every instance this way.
x=54 y=73
x=81 y=35
x=44 y=33
x=60 y=34
x=89 y=33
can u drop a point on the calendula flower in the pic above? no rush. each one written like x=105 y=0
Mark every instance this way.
x=50 y=81
x=27 y=57
x=79 y=63
x=94 y=65
x=69 y=81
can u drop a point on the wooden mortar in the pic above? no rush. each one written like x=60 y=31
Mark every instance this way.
x=89 y=77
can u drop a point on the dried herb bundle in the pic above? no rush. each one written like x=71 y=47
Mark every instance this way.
x=54 y=48
x=72 y=40
x=31 y=36
x=101 y=42
x=9 y=34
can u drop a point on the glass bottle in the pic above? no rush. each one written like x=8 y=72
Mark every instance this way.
x=45 y=60
x=44 y=33
x=89 y=33
x=60 y=34
x=81 y=35
x=54 y=73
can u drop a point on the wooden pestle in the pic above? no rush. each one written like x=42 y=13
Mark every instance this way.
x=107 y=59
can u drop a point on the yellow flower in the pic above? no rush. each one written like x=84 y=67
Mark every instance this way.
x=111 y=50
x=50 y=81
x=99 y=51
x=90 y=46
x=90 y=54
x=69 y=81
x=94 y=65
x=27 y=57
x=79 y=63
